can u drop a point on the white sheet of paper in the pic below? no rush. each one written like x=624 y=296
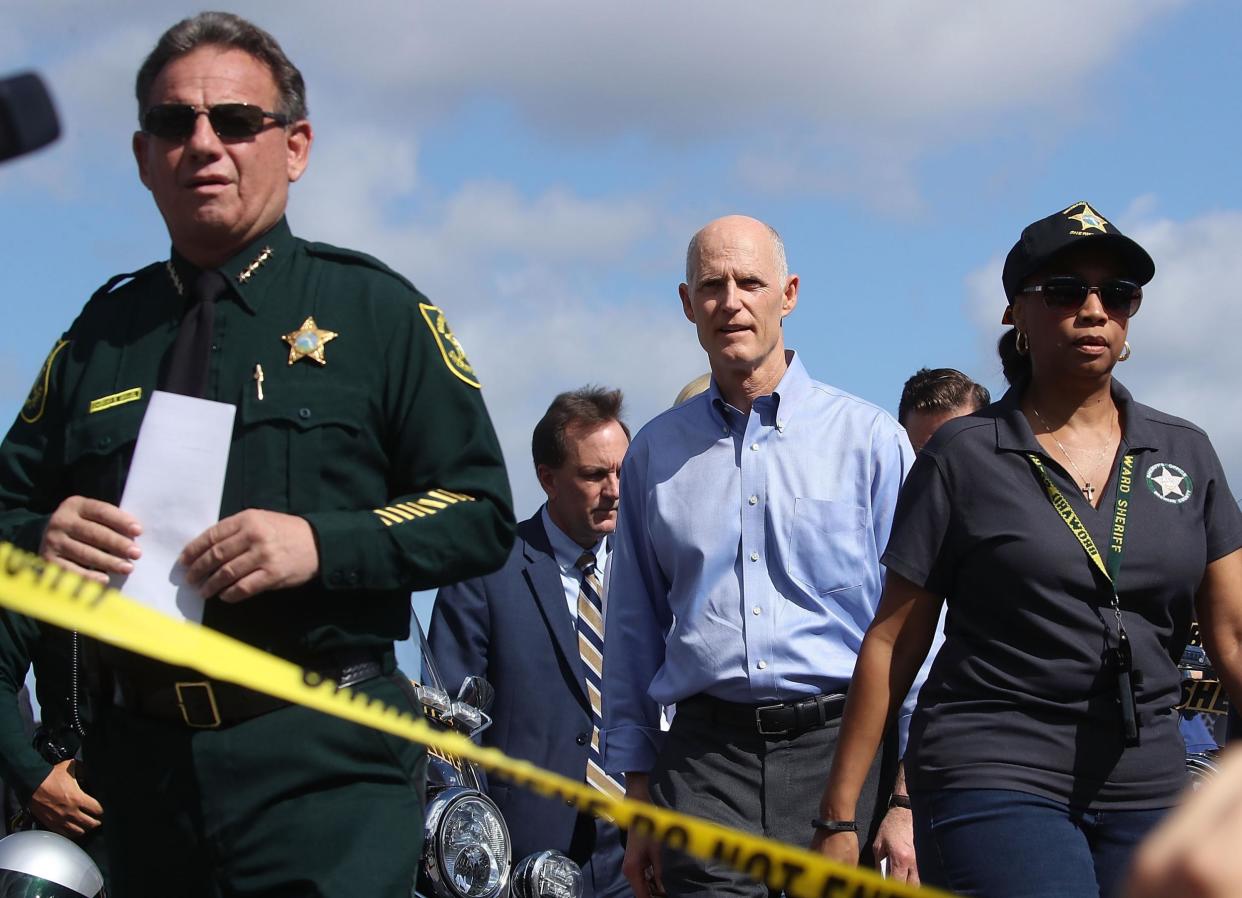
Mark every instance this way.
x=174 y=489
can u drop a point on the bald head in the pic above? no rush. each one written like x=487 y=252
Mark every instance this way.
x=733 y=227
x=738 y=293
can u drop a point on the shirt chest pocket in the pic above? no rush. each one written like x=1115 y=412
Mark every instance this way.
x=828 y=545
x=295 y=446
x=98 y=450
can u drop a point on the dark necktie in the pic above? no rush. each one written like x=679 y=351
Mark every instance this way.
x=590 y=628
x=191 y=352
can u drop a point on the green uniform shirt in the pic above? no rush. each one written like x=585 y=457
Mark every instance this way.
x=386 y=449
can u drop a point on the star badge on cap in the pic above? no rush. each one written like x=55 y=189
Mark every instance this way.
x=308 y=342
x=1089 y=218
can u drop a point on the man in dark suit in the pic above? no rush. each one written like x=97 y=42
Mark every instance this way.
x=535 y=629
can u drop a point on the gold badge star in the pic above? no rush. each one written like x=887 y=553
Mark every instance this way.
x=308 y=342
x=1089 y=218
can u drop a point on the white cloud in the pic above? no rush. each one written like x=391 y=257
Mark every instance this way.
x=1184 y=360
x=465 y=242
x=723 y=66
x=849 y=94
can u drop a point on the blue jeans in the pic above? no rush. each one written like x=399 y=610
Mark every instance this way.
x=998 y=843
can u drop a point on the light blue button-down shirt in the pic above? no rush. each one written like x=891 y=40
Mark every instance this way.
x=567 y=552
x=746 y=561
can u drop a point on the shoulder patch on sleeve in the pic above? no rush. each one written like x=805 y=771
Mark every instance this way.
x=36 y=402
x=450 y=347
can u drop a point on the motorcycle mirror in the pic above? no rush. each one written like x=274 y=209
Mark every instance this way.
x=475 y=690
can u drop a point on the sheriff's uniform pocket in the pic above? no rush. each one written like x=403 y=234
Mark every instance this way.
x=291 y=441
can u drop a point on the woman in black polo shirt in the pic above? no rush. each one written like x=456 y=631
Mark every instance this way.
x=1045 y=745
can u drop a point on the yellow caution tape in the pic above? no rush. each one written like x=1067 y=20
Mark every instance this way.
x=32 y=587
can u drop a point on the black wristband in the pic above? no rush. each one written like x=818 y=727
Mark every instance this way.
x=836 y=826
x=899 y=801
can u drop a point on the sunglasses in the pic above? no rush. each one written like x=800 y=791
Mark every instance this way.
x=1067 y=294
x=230 y=121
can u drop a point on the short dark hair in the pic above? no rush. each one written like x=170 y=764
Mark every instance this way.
x=940 y=390
x=223 y=29
x=588 y=407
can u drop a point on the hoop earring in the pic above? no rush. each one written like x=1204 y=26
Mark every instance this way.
x=1022 y=343
x=1125 y=352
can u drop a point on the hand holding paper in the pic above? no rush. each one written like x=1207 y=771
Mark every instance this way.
x=93 y=538
x=175 y=484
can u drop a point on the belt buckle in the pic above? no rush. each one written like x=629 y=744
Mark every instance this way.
x=759 y=720
x=184 y=686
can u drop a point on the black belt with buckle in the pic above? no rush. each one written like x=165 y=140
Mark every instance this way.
x=203 y=704
x=777 y=719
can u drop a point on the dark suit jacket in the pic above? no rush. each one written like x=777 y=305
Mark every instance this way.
x=514 y=627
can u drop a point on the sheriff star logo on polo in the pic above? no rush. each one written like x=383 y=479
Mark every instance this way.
x=1088 y=218
x=1169 y=483
x=308 y=341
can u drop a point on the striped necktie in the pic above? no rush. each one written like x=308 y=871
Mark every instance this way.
x=591 y=647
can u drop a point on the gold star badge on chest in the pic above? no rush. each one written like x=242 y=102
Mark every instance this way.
x=308 y=342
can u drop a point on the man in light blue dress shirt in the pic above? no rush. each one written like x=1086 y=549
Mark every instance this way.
x=745 y=571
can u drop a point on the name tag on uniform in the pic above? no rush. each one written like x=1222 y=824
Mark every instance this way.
x=106 y=402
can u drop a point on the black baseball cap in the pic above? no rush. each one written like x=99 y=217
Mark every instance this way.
x=1077 y=222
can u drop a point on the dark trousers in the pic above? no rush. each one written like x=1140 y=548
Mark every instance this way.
x=766 y=785
x=999 y=843
x=290 y=803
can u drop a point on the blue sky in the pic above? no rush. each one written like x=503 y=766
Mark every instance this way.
x=537 y=168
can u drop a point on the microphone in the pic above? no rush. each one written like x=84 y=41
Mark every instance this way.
x=27 y=117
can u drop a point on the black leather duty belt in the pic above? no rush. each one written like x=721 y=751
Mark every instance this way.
x=203 y=704
x=777 y=719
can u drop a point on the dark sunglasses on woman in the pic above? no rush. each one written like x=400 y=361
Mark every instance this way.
x=1067 y=294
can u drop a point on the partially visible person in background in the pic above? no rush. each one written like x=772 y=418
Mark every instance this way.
x=46 y=777
x=535 y=630
x=11 y=805
x=694 y=388
x=935 y=395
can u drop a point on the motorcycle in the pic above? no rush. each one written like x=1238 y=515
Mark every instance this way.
x=466 y=848
x=1203 y=709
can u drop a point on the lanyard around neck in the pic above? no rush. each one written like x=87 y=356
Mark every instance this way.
x=1119 y=659
x=1111 y=567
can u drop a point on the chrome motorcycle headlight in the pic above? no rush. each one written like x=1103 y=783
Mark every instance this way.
x=547 y=874
x=466 y=850
x=1201 y=766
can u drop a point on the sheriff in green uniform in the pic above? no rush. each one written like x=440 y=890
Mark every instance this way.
x=363 y=465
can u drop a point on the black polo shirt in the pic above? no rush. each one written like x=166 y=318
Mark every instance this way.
x=1019 y=697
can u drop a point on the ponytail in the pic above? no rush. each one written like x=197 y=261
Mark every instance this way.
x=1014 y=365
